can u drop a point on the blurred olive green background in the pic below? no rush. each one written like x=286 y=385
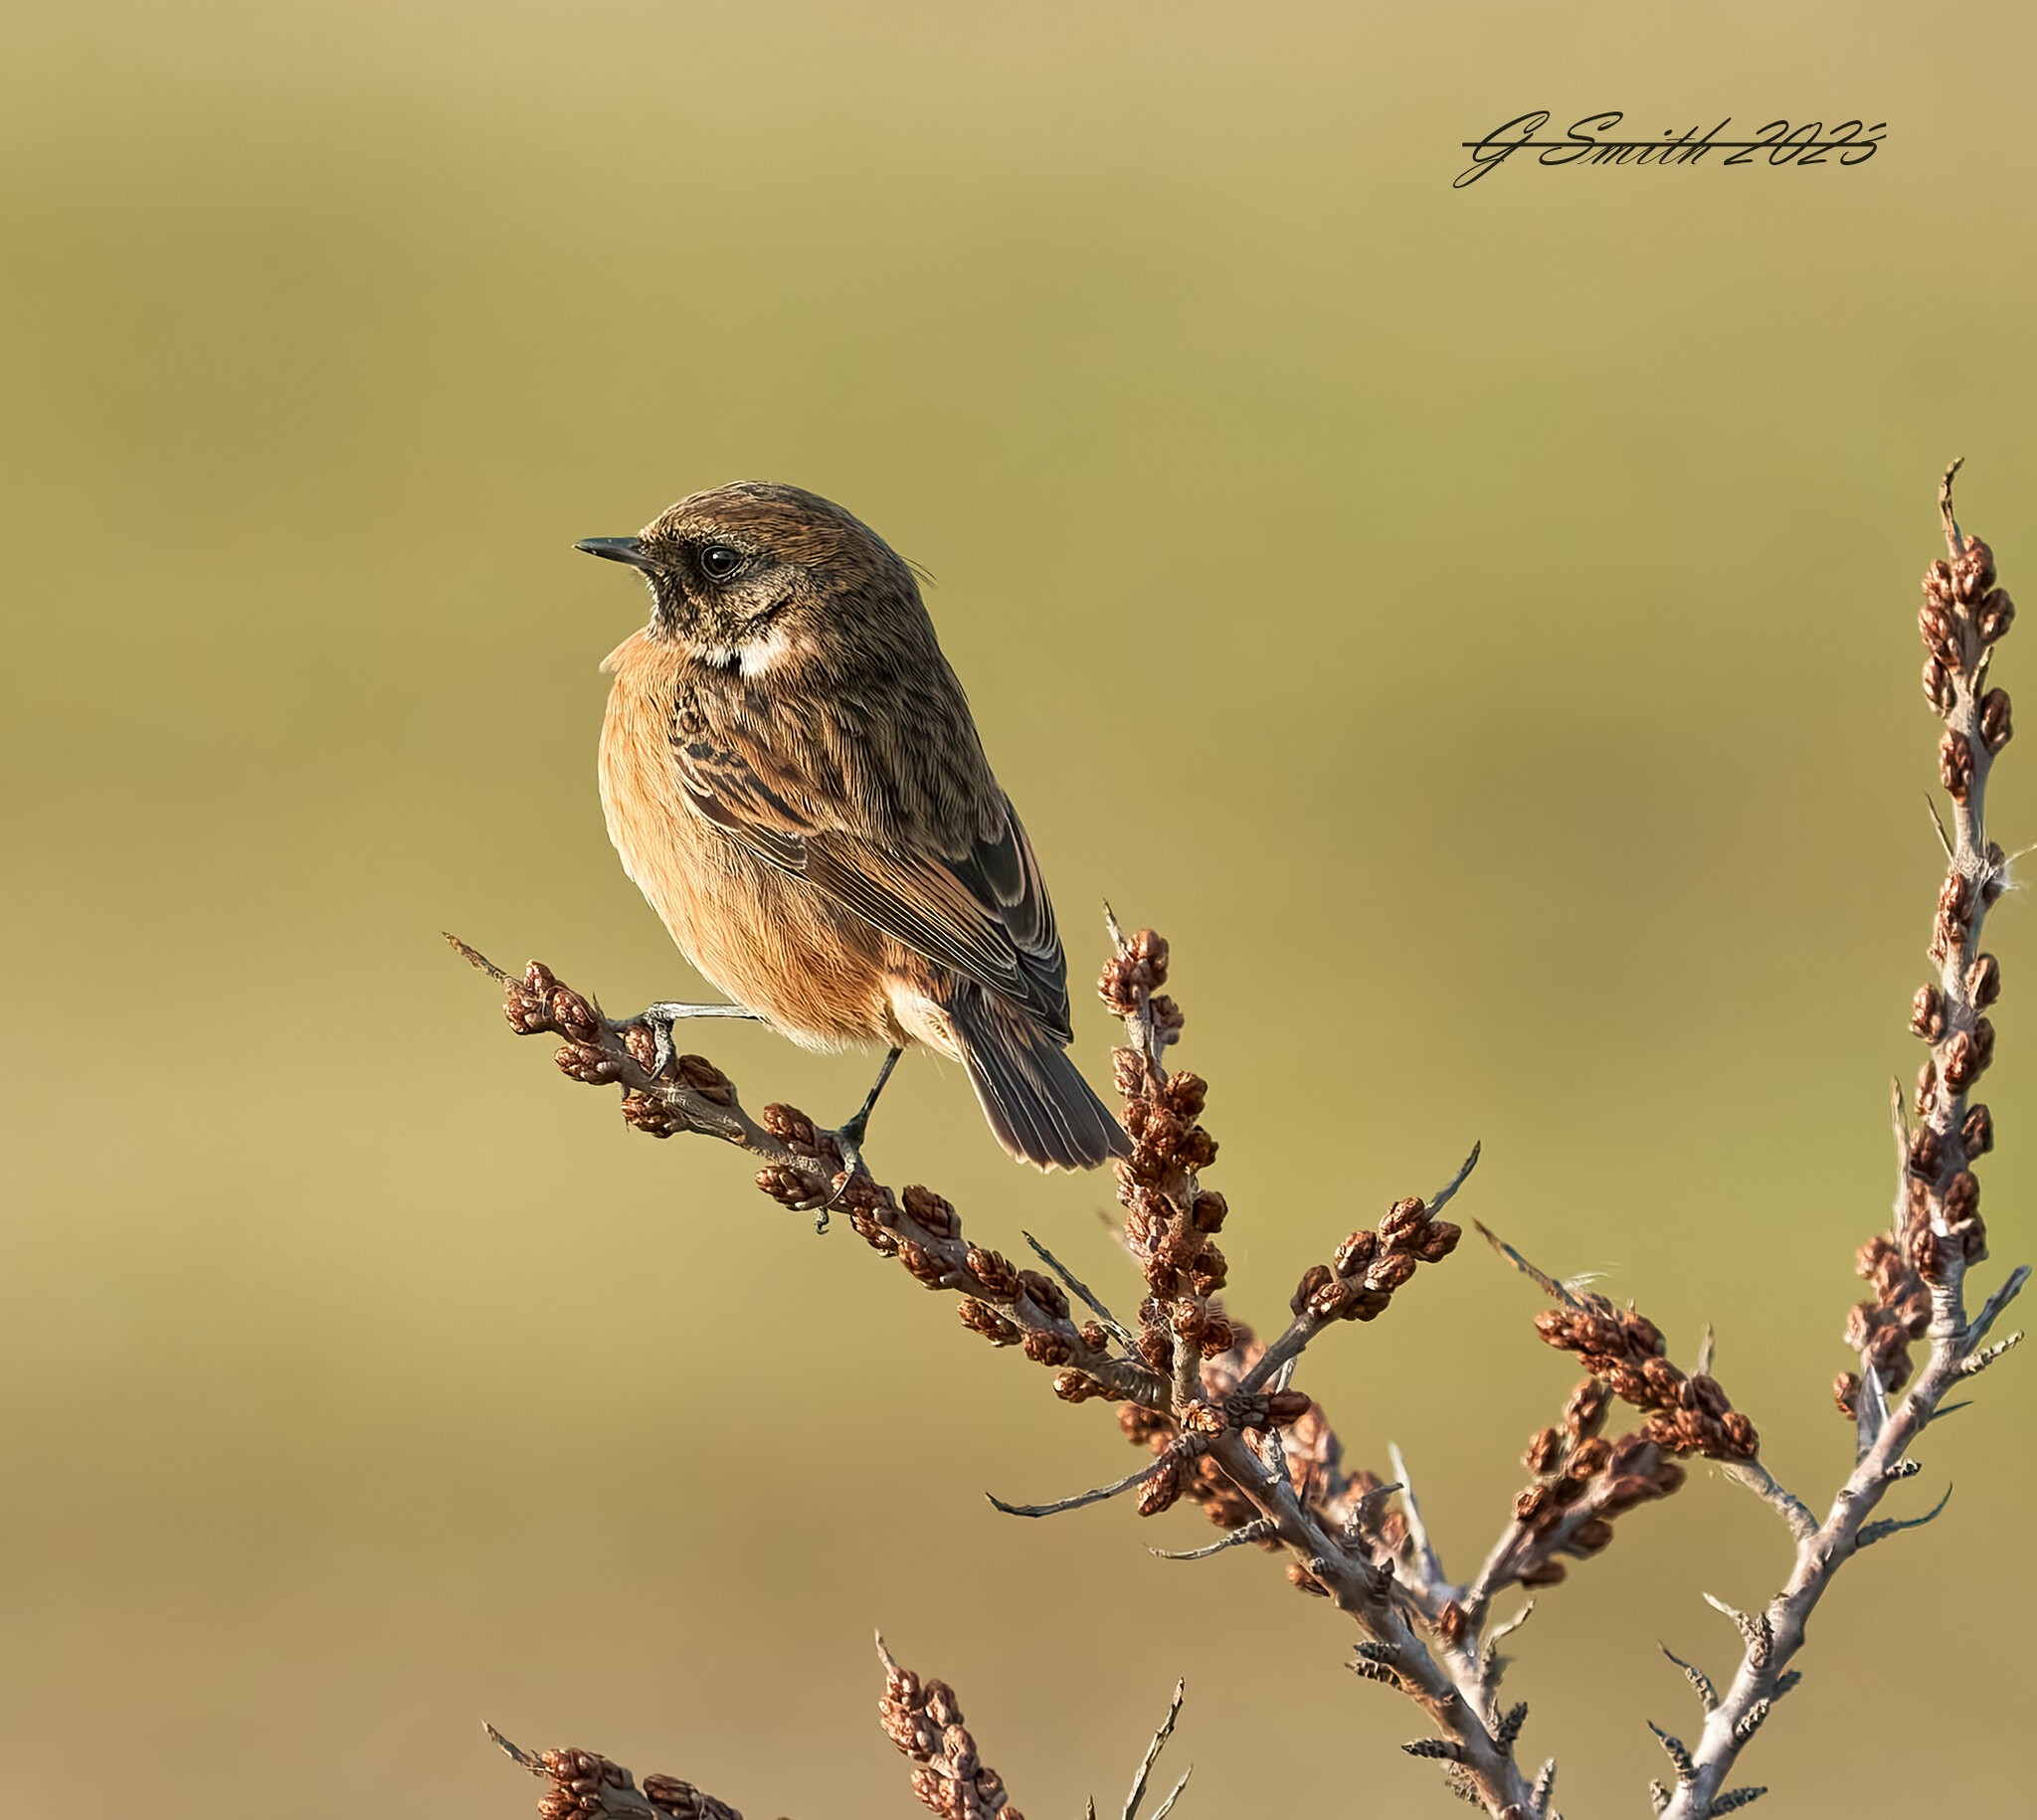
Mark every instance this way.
x=1476 y=625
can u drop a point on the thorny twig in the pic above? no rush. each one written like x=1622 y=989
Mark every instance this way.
x=1192 y=1382
x=1152 y=1756
x=583 y=1785
x=1215 y=1403
x=922 y=1718
x=1919 y=1269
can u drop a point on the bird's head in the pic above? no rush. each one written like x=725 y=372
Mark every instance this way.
x=753 y=575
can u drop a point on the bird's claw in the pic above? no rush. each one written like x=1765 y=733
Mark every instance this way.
x=659 y=1019
x=848 y=1141
x=663 y=1050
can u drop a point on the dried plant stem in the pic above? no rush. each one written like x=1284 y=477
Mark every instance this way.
x=1152 y=1756
x=1228 y=1430
x=1937 y=1220
x=583 y=1785
x=1454 y=1702
x=1205 y=1401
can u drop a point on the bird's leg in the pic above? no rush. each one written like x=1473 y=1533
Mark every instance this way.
x=849 y=1134
x=659 y=1021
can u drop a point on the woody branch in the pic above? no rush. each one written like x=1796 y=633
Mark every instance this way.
x=1192 y=1382
x=1216 y=1407
x=923 y=1718
x=1919 y=1268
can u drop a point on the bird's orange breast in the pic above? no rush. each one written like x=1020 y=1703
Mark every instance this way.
x=767 y=938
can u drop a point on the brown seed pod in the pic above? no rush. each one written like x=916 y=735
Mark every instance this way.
x=1973 y=572
x=1955 y=764
x=1590 y=1536
x=1984 y=981
x=1966 y=1057
x=1403 y=1223
x=989 y=1268
x=1390 y=1272
x=1356 y=1252
x=1977 y=1130
x=1156 y=1345
x=705 y=1079
x=1927 y=1253
x=923 y=1264
x=1589 y=1457
x=1995 y=614
x=788 y=1124
x=1210 y=1272
x=1742 y=1442
x=1438 y=1241
x=1996 y=727
x=1937 y=687
x=1161 y=1486
x=1313 y=1280
x=1046 y=1347
x=1927 y=1153
x=585 y=1063
x=1128 y=1072
x=1045 y=1293
x=1941 y=640
x=1928 y=1014
x=1584 y=1413
x=981 y=1318
x=573 y=1017
x=1287 y=1406
x=1332 y=1298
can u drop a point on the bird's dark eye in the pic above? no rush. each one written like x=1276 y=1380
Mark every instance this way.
x=719 y=561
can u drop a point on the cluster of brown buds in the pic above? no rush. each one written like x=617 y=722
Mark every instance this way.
x=1359 y=1280
x=1186 y=1473
x=1582 y=1482
x=539 y=1004
x=1170 y=1219
x=587 y=1786
x=1130 y=981
x=1686 y=1414
x=1005 y=1305
x=1963 y=617
x=1952 y=1134
x=924 y=1720
x=790 y=1187
x=1882 y=1330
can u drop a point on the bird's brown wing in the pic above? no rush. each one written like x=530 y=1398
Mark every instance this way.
x=975 y=903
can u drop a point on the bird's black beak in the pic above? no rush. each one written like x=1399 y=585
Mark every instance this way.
x=617 y=549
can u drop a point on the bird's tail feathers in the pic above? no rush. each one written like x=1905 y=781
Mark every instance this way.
x=1038 y=1105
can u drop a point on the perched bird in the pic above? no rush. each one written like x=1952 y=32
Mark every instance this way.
x=790 y=774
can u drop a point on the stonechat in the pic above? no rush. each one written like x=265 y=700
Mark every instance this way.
x=792 y=776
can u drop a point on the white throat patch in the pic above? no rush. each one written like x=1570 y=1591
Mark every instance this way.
x=765 y=652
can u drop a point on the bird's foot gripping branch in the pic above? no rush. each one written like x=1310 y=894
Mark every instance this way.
x=1215 y=1406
